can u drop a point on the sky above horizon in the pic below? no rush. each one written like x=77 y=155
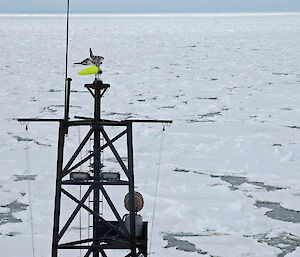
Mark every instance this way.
x=148 y=6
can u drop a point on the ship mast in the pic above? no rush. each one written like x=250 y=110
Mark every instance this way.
x=107 y=234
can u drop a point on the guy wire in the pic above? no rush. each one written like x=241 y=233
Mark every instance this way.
x=29 y=191
x=156 y=186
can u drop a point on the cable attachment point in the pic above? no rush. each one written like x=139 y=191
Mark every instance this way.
x=26 y=125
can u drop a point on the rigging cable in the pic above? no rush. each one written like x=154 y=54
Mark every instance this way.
x=29 y=189
x=156 y=185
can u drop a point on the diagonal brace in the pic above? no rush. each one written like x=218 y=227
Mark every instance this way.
x=89 y=251
x=113 y=149
x=97 y=151
x=82 y=144
x=113 y=208
x=95 y=214
x=80 y=203
x=77 y=242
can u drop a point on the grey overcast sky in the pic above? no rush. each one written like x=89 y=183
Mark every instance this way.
x=148 y=6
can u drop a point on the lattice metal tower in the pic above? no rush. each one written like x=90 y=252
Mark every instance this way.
x=107 y=234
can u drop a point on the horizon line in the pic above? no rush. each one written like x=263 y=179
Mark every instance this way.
x=252 y=13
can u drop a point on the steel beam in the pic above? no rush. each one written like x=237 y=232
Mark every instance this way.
x=131 y=190
x=60 y=153
x=83 y=241
x=97 y=161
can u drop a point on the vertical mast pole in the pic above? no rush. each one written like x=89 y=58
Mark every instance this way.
x=131 y=190
x=67 y=98
x=60 y=153
x=97 y=162
x=67 y=80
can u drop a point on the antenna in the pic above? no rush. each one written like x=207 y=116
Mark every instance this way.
x=67 y=80
x=67 y=39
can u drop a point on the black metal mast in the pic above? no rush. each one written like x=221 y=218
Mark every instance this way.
x=97 y=162
x=107 y=235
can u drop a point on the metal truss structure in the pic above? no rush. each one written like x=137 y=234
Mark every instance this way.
x=107 y=235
